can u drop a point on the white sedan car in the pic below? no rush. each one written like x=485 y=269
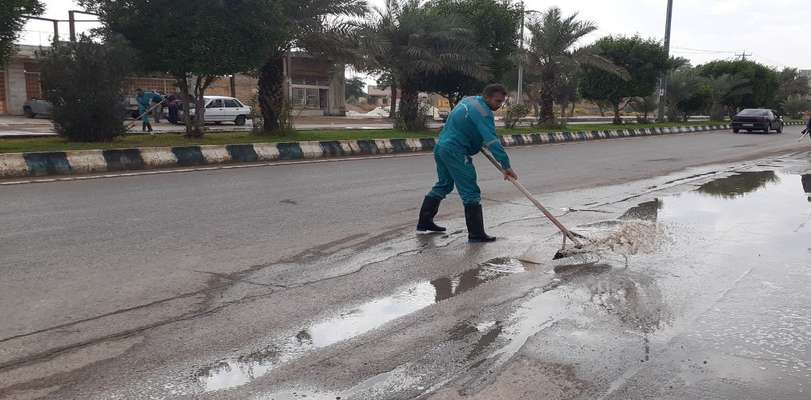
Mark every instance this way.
x=223 y=109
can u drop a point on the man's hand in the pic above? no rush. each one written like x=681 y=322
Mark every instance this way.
x=509 y=173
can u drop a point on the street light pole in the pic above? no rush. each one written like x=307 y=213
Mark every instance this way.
x=663 y=79
x=521 y=57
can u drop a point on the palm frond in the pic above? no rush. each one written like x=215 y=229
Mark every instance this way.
x=585 y=56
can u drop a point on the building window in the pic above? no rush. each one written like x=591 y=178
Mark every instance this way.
x=312 y=98
x=305 y=97
x=299 y=96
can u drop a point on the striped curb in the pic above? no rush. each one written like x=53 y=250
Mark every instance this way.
x=13 y=165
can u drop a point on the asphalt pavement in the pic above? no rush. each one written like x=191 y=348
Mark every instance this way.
x=306 y=280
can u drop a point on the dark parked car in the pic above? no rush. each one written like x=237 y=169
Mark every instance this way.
x=757 y=119
x=37 y=107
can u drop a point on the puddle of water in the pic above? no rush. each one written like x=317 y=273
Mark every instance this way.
x=739 y=184
x=354 y=322
x=723 y=209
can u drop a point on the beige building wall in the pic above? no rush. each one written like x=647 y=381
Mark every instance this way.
x=16 y=93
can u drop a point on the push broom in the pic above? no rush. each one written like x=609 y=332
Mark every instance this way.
x=564 y=252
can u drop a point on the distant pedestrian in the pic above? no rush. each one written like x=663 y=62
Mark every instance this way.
x=807 y=130
x=157 y=106
x=172 y=104
x=143 y=106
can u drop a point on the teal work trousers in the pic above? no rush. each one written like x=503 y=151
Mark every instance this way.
x=455 y=167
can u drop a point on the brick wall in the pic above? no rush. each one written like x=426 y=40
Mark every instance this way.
x=307 y=67
x=33 y=85
x=245 y=88
x=33 y=88
x=163 y=85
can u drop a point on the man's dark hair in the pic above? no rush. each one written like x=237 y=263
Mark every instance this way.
x=494 y=88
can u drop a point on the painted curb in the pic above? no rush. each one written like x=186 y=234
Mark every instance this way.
x=15 y=165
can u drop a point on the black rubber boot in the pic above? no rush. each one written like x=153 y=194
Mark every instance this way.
x=475 y=225
x=430 y=206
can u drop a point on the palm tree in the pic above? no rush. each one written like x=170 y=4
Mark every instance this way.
x=551 y=51
x=305 y=24
x=407 y=41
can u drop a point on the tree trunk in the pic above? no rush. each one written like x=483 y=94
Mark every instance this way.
x=393 y=105
x=563 y=107
x=409 y=109
x=271 y=94
x=199 y=107
x=600 y=107
x=571 y=112
x=183 y=84
x=547 y=99
x=617 y=120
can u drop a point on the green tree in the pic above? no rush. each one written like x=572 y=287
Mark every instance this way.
x=495 y=26
x=196 y=41
x=646 y=105
x=644 y=60
x=687 y=94
x=763 y=81
x=408 y=42
x=354 y=88
x=12 y=20
x=792 y=84
x=723 y=87
x=312 y=25
x=84 y=81
x=794 y=108
x=551 y=50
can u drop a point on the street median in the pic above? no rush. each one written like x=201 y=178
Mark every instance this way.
x=16 y=165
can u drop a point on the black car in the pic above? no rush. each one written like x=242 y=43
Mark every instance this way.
x=757 y=119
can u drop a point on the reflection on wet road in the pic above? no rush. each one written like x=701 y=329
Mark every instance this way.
x=352 y=323
x=721 y=310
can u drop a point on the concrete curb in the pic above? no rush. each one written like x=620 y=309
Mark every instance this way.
x=14 y=165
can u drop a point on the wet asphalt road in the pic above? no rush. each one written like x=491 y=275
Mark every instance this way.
x=283 y=282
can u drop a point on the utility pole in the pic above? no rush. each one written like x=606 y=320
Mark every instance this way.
x=72 y=25
x=521 y=57
x=72 y=22
x=663 y=79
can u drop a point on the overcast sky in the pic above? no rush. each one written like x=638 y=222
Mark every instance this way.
x=774 y=32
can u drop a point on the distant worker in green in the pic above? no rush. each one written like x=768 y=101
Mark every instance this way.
x=471 y=125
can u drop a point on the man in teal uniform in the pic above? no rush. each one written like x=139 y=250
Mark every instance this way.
x=470 y=126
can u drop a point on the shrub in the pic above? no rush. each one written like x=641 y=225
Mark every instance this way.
x=514 y=113
x=84 y=80
x=795 y=108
